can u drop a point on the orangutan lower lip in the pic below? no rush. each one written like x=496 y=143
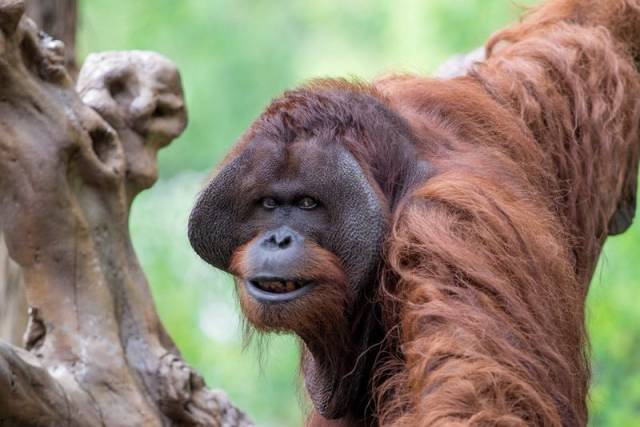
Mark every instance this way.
x=275 y=289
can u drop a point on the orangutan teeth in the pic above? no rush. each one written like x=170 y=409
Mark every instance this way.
x=278 y=286
x=271 y=286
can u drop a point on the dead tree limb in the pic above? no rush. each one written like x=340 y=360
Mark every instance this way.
x=70 y=165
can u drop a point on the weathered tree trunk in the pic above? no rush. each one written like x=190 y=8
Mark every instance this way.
x=57 y=18
x=70 y=165
x=13 y=302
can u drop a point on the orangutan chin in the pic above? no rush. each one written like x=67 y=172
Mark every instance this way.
x=431 y=241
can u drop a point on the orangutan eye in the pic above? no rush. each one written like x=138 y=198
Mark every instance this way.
x=269 y=203
x=307 y=203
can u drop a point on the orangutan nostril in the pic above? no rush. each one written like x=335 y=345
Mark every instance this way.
x=285 y=242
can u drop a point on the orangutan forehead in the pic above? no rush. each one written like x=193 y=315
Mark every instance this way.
x=304 y=158
x=304 y=113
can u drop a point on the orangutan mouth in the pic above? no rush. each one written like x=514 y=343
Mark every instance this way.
x=276 y=289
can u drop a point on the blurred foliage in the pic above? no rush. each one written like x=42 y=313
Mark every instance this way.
x=235 y=55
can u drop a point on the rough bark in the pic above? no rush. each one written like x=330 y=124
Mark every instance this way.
x=13 y=302
x=71 y=163
x=59 y=19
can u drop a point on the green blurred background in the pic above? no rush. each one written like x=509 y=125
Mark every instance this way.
x=235 y=56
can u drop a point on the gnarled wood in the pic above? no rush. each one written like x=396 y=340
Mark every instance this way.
x=13 y=302
x=70 y=165
x=59 y=19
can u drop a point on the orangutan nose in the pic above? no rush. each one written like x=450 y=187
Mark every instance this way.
x=277 y=253
x=280 y=239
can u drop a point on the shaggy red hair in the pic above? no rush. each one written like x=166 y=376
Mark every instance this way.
x=535 y=154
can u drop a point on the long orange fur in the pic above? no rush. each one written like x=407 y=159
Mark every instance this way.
x=490 y=260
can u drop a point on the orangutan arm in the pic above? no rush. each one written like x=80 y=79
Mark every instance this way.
x=494 y=260
x=569 y=73
x=492 y=320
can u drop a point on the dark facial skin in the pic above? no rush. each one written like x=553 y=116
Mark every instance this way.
x=300 y=223
x=309 y=228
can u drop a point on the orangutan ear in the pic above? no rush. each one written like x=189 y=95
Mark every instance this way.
x=623 y=217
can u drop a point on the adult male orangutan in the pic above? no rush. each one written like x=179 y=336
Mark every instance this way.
x=431 y=241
